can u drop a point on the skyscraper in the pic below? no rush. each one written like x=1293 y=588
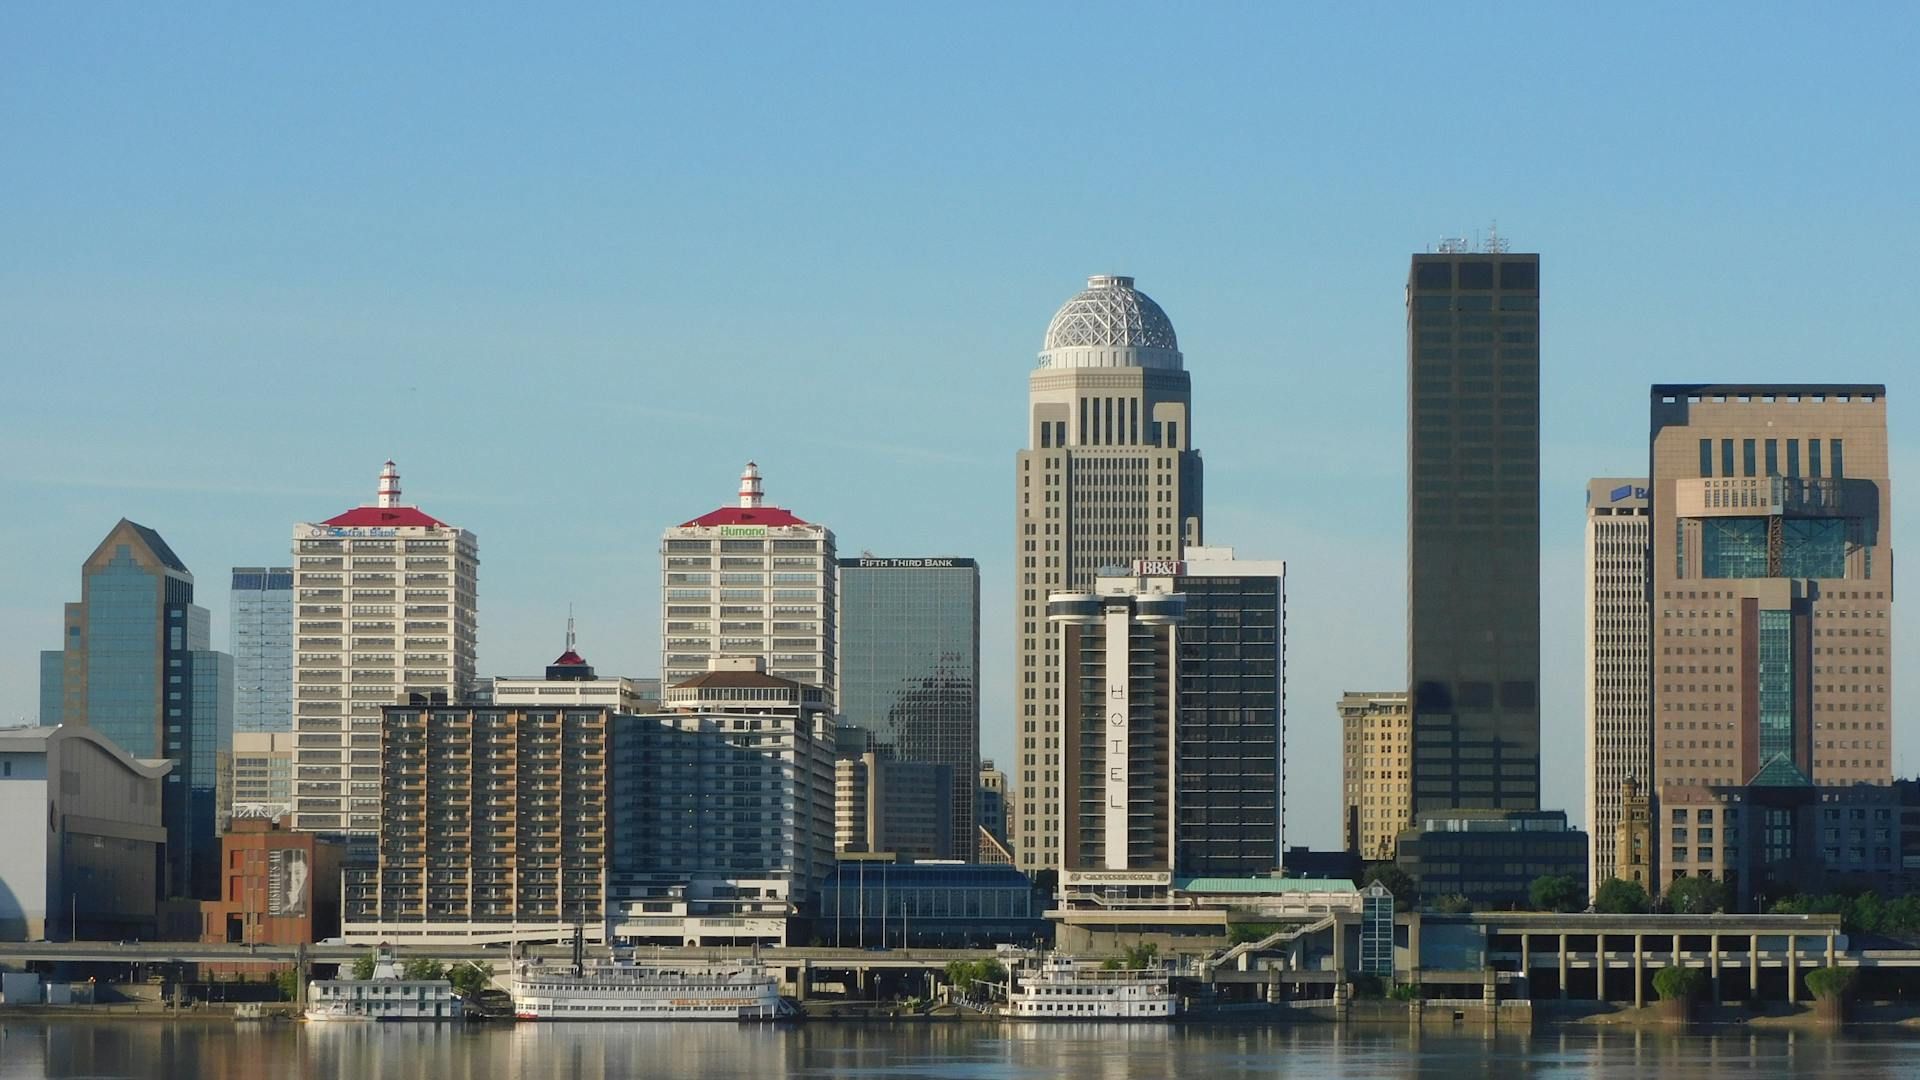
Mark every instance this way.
x=748 y=580
x=386 y=608
x=910 y=668
x=136 y=668
x=1109 y=475
x=1376 y=789
x=261 y=629
x=1473 y=528
x=1619 y=697
x=1772 y=601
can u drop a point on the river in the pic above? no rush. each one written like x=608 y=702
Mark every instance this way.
x=97 y=1049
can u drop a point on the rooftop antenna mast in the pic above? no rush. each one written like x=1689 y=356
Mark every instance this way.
x=1496 y=244
x=569 y=627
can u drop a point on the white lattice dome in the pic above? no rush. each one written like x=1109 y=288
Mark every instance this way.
x=1110 y=313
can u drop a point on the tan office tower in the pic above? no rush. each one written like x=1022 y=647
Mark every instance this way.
x=1109 y=476
x=1772 y=596
x=1376 y=779
x=1619 y=697
x=384 y=608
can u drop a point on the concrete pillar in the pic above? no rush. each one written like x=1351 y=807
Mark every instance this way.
x=1713 y=961
x=1832 y=959
x=1563 y=967
x=1339 y=951
x=801 y=979
x=1793 y=968
x=1753 y=966
x=1413 y=948
x=1599 y=967
x=1639 y=970
x=1526 y=964
x=300 y=977
x=1676 y=950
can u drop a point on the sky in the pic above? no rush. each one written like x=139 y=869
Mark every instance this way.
x=571 y=266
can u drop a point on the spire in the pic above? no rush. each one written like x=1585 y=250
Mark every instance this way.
x=569 y=627
x=389 y=485
x=750 y=494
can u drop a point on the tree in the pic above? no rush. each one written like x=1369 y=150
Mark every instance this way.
x=1618 y=897
x=1677 y=983
x=421 y=969
x=1398 y=881
x=287 y=981
x=1452 y=904
x=1142 y=954
x=1554 y=892
x=1830 y=982
x=1696 y=896
x=469 y=979
x=363 y=967
x=965 y=974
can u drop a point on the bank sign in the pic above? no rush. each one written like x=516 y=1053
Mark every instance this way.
x=1158 y=568
x=911 y=564
x=1626 y=491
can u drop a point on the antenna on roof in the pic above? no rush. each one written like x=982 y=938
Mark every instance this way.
x=1496 y=244
x=569 y=627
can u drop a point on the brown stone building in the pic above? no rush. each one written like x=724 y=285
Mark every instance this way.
x=1376 y=787
x=277 y=886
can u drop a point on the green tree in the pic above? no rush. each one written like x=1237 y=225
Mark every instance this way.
x=287 y=981
x=363 y=967
x=1554 y=892
x=1618 y=897
x=1696 y=896
x=1452 y=904
x=1398 y=881
x=469 y=979
x=1830 y=982
x=965 y=974
x=421 y=969
x=1142 y=954
x=1675 y=983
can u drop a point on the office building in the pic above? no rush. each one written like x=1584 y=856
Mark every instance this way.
x=722 y=809
x=749 y=580
x=83 y=855
x=493 y=826
x=570 y=680
x=260 y=628
x=278 y=887
x=1473 y=527
x=137 y=667
x=1491 y=857
x=875 y=903
x=385 y=609
x=1633 y=842
x=262 y=784
x=910 y=669
x=884 y=804
x=1173 y=686
x=1619 y=705
x=990 y=801
x=1376 y=786
x=1109 y=475
x=1772 y=602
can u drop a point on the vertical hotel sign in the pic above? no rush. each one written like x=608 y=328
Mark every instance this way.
x=1118 y=617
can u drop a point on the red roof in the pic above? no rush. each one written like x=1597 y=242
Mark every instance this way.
x=740 y=515
x=386 y=517
x=569 y=659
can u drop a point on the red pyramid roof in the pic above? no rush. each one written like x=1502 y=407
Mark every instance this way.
x=386 y=517
x=741 y=515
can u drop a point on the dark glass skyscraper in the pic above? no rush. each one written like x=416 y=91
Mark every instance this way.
x=910 y=666
x=135 y=667
x=262 y=635
x=1473 y=528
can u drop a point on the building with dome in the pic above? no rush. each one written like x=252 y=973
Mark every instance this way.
x=1109 y=476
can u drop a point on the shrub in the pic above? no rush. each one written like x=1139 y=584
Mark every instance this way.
x=1677 y=983
x=1830 y=982
x=1404 y=992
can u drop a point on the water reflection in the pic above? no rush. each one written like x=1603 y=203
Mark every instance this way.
x=219 y=1051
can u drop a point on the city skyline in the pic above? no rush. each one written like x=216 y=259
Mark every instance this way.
x=738 y=268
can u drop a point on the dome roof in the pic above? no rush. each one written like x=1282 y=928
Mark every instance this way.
x=1110 y=313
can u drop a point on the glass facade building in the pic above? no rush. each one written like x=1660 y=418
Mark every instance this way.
x=261 y=635
x=137 y=668
x=1473 y=528
x=910 y=667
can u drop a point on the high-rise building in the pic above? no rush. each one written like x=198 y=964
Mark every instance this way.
x=1174 y=688
x=386 y=608
x=749 y=580
x=493 y=825
x=1109 y=475
x=1619 y=695
x=885 y=804
x=137 y=668
x=262 y=776
x=910 y=669
x=1772 y=600
x=722 y=808
x=261 y=631
x=1376 y=785
x=1473 y=528
x=990 y=801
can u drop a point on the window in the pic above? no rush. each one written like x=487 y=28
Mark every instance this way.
x=1793 y=457
x=1773 y=457
x=1433 y=275
x=1519 y=275
x=1476 y=275
x=1813 y=457
x=1726 y=458
x=1747 y=456
x=1706 y=457
x=1839 y=460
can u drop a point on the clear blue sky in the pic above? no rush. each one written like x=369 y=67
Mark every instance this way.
x=572 y=266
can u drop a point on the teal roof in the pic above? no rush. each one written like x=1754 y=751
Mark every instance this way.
x=1262 y=885
x=1780 y=771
